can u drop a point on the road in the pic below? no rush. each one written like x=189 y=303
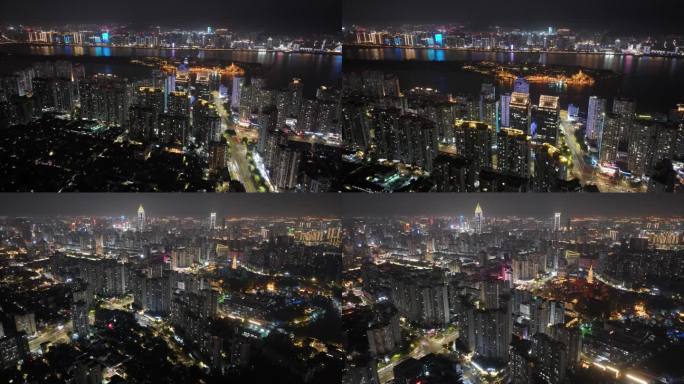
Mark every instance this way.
x=425 y=346
x=580 y=169
x=238 y=165
x=585 y=172
x=52 y=335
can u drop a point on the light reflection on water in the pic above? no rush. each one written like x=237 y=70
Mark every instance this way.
x=313 y=69
x=655 y=82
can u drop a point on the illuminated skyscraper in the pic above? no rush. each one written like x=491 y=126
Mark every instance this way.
x=610 y=137
x=552 y=357
x=141 y=218
x=595 y=117
x=505 y=110
x=519 y=112
x=79 y=318
x=388 y=140
x=625 y=109
x=421 y=148
x=238 y=83
x=105 y=98
x=521 y=86
x=478 y=220
x=640 y=148
x=212 y=221
x=513 y=152
x=218 y=151
x=548 y=120
x=556 y=221
x=206 y=123
x=474 y=142
x=489 y=106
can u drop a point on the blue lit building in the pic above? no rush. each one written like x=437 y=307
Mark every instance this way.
x=439 y=39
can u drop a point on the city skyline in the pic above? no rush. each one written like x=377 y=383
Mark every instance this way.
x=342 y=192
x=612 y=15
x=538 y=205
x=269 y=15
x=161 y=204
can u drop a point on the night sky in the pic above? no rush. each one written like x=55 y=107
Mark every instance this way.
x=319 y=16
x=161 y=204
x=515 y=204
x=616 y=15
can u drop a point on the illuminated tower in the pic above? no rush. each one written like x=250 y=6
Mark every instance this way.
x=595 y=117
x=610 y=138
x=479 y=219
x=590 y=276
x=212 y=221
x=141 y=218
x=548 y=120
x=99 y=245
x=505 y=105
x=521 y=85
x=519 y=112
x=556 y=221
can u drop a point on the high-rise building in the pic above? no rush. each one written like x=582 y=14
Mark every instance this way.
x=543 y=314
x=596 y=113
x=389 y=139
x=489 y=106
x=474 y=141
x=79 y=318
x=268 y=120
x=494 y=293
x=25 y=322
x=421 y=148
x=143 y=123
x=520 y=112
x=13 y=349
x=513 y=152
x=105 y=98
x=173 y=129
x=356 y=125
x=641 y=141
x=218 y=152
x=571 y=338
x=548 y=120
x=206 y=123
x=556 y=221
x=286 y=171
x=625 y=109
x=521 y=362
x=55 y=94
x=505 y=110
x=212 y=221
x=610 y=137
x=521 y=85
x=552 y=358
x=488 y=332
x=141 y=219
x=669 y=142
x=238 y=83
x=478 y=219
x=421 y=296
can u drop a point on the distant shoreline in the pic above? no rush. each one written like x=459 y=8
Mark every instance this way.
x=174 y=48
x=404 y=47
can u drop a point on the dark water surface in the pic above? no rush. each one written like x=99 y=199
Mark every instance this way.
x=314 y=69
x=656 y=83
